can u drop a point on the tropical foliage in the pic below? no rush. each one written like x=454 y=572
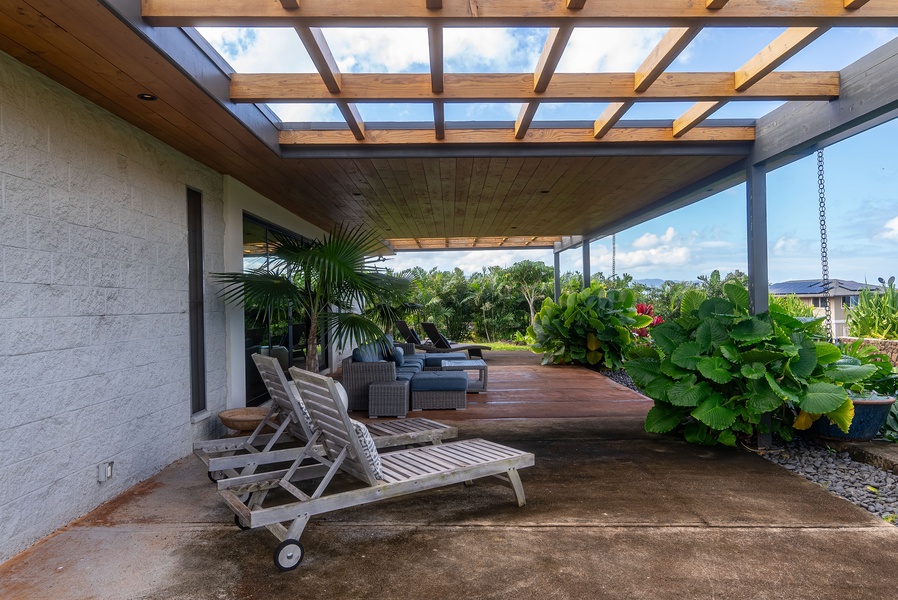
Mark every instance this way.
x=338 y=270
x=715 y=370
x=876 y=313
x=593 y=326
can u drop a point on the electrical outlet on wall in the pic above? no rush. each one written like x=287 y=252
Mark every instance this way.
x=104 y=471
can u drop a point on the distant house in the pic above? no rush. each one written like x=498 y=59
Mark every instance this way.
x=843 y=294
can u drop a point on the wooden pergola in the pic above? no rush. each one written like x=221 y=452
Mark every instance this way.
x=439 y=184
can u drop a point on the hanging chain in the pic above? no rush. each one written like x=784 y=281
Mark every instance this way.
x=824 y=258
x=614 y=256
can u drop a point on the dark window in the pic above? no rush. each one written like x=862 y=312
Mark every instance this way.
x=287 y=339
x=195 y=299
x=850 y=301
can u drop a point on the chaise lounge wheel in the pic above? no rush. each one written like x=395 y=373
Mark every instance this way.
x=214 y=476
x=239 y=523
x=288 y=555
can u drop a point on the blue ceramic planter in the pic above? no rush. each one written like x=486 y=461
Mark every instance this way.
x=869 y=416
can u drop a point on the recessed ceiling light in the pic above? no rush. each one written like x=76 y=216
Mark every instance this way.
x=147 y=97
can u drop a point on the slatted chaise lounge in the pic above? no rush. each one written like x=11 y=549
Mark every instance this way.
x=228 y=457
x=442 y=344
x=347 y=450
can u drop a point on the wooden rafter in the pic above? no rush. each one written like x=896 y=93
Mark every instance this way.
x=553 y=49
x=521 y=13
x=435 y=42
x=493 y=136
x=854 y=4
x=784 y=47
x=518 y=87
x=715 y=4
x=762 y=64
x=401 y=244
x=671 y=45
x=324 y=61
x=609 y=117
x=693 y=116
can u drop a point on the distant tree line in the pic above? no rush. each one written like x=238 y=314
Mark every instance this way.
x=498 y=303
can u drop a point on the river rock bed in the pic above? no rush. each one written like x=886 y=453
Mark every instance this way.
x=867 y=486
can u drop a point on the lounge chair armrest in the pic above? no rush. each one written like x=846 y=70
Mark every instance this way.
x=407 y=348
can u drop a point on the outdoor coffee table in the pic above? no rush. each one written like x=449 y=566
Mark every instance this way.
x=478 y=385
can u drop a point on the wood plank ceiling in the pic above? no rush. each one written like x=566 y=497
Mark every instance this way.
x=451 y=195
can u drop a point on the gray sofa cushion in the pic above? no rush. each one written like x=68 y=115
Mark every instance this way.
x=439 y=381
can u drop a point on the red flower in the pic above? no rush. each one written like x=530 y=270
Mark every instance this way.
x=645 y=309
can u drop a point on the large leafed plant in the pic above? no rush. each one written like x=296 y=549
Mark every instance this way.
x=715 y=370
x=593 y=326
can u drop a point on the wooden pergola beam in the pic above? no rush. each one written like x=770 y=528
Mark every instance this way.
x=525 y=119
x=609 y=118
x=520 y=13
x=692 y=117
x=518 y=87
x=784 y=47
x=671 y=45
x=439 y=119
x=854 y=4
x=435 y=42
x=553 y=49
x=715 y=4
x=323 y=59
x=617 y=135
x=320 y=53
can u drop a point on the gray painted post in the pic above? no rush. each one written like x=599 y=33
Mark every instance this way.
x=756 y=206
x=756 y=200
x=585 y=264
x=557 y=276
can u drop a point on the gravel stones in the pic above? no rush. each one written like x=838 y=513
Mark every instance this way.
x=622 y=378
x=867 y=486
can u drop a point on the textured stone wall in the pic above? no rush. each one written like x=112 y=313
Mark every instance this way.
x=889 y=347
x=93 y=305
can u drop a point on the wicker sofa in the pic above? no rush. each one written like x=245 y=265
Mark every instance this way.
x=358 y=375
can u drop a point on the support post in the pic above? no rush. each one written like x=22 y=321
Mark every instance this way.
x=756 y=207
x=585 y=264
x=557 y=256
x=756 y=200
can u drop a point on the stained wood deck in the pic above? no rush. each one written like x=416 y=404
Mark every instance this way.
x=521 y=388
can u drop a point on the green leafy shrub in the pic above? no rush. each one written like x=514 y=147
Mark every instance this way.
x=876 y=313
x=884 y=380
x=715 y=370
x=592 y=326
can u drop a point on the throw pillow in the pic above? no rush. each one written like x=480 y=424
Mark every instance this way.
x=366 y=353
x=369 y=450
x=398 y=355
x=342 y=395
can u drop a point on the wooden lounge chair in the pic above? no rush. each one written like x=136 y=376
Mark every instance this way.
x=228 y=457
x=442 y=344
x=347 y=451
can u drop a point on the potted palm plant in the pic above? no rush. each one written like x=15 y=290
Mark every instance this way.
x=339 y=270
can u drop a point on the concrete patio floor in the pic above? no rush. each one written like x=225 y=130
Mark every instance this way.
x=612 y=512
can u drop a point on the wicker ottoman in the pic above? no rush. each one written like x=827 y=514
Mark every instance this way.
x=439 y=389
x=388 y=399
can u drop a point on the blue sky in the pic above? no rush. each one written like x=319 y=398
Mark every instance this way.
x=861 y=172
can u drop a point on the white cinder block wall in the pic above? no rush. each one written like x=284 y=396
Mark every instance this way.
x=94 y=361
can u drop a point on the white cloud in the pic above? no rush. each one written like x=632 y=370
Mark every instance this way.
x=650 y=240
x=890 y=231
x=601 y=49
x=389 y=50
x=488 y=49
x=468 y=261
x=786 y=244
x=270 y=50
